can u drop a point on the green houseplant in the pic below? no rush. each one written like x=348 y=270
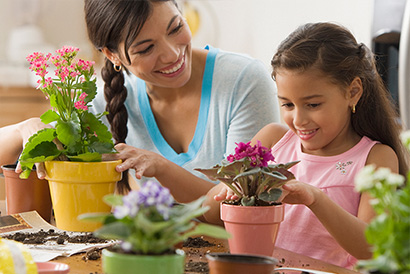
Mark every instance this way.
x=257 y=186
x=81 y=135
x=148 y=225
x=249 y=175
x=76 y=142
x=389 y=231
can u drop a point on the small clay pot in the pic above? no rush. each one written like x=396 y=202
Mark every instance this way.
x=225 y=263
x=24 y=195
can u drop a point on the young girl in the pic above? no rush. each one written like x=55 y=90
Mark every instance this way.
x=339 y=119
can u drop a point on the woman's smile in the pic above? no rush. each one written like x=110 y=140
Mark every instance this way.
x=174 y=69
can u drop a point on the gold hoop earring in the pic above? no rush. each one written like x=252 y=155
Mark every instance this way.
x=117 y=68
x=354 y=108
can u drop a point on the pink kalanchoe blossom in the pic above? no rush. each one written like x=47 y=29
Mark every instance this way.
x=80 y=105
x=82 y=96
x=67 y=51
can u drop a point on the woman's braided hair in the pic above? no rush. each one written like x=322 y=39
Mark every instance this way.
x=110 y=22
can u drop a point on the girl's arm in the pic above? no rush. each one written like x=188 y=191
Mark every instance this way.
x=348 y=230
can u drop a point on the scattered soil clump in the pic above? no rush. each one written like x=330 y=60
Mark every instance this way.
x=196 y=243
x=42 y=236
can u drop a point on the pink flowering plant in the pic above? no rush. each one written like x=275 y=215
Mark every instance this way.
x=77 y=135
x=148 y=221
x=249 y=175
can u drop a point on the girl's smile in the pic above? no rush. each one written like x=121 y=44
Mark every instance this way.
x=317 y=110
x=306 y=134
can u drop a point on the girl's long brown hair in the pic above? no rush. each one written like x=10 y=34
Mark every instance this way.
x=110 y=22
x=334 y=51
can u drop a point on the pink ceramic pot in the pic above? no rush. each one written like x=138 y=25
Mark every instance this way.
x=253 y=228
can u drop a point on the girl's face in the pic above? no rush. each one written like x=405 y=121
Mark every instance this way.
x=317 y=110
x=161 y=54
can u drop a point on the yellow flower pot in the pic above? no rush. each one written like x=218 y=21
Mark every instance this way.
x=79 y=187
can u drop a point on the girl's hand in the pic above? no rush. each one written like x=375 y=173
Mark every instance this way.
x=295 y=192
x=225 y=194
x=145 y=163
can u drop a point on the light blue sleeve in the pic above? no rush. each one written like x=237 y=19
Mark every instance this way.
x=254 y=104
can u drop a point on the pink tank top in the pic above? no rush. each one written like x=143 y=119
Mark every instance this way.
x=301 y=231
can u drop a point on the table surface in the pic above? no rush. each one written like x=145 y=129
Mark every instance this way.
x=80 y=265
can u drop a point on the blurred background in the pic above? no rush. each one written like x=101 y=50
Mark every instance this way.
x=252 y=27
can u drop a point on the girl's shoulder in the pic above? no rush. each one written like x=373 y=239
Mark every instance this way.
x=383 y=156
x=270 y=134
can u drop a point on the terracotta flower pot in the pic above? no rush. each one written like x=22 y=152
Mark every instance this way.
x=24 y=195
x=117 y=263
x=253 y=228
x=223 y=263
x=79 y=187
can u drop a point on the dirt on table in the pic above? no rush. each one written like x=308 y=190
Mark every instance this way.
x=43 y=236
x=197 y=242
x=193 y=246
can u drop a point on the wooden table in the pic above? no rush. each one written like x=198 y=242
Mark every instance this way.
x=79 y=265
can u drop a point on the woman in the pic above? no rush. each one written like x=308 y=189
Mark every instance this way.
x=176 y=107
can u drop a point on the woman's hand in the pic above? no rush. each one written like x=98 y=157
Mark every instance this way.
x=145 y=163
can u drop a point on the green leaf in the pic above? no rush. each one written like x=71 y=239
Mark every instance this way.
x=49 y=116
x=101 y=147
x=94 y=217
x=271 y=195
x=93 y=126
x=208 y=230
x=115 y=231
x=148 y=226
x=251 y=172
x=44 y=135
x=90 y=88
x=69 y=133
x=26 y=170
x=248 y=201
x=183 y=213
x=86 y=157
x=53 y=100
x=113 y=200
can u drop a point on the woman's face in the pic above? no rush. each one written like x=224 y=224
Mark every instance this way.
x=161 y=54
x=316 y=109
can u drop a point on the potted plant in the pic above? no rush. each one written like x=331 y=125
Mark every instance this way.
x=389 y=231
x=79 y=179
x=257 y=185
x=148 y=225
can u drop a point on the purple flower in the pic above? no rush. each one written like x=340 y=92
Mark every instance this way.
x=151 y=195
